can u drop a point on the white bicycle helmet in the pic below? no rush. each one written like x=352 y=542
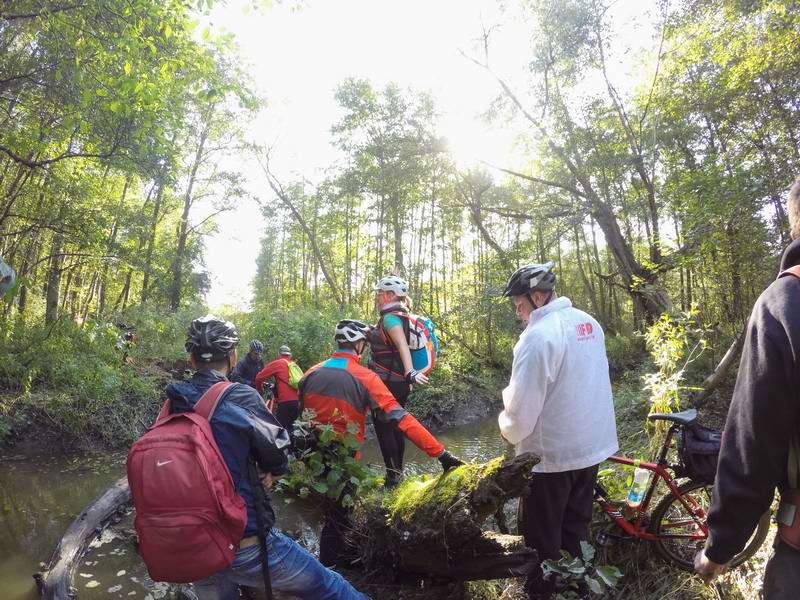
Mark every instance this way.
x=392 y=283
x=350 y=330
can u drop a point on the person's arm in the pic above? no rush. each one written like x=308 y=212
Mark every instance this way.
x=269 y=371
x=761 y=420
x=268 y=440
x=532 y=373
x=398 y=337
x=379 y=397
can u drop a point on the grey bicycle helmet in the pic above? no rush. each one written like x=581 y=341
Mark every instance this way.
x=210 y=338
x=285 y=351
x=533 y=277
x=257 y=347
x=392 y=283
x=350 y=330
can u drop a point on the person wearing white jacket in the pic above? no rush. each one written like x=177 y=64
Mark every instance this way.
x=558 y=405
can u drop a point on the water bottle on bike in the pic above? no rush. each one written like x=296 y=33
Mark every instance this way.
x=641 y=477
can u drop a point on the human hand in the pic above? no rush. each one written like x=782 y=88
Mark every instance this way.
x=414 y=376
x=449 y=461
x=266 y=479
x=707 y=569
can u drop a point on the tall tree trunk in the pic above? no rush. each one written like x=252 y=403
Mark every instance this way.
x=53 y=279
x=183 y=226
x=151 y=241
x=279 y=191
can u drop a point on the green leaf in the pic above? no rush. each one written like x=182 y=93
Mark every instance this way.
x=594 y=585
x=167 y=31
x=321 y=487
x=101 y=92
x=609 y=575
x=127 y=68
x=587 y=551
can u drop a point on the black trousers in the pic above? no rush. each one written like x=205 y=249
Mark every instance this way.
x=555 y=516
x=287 y=413
x=391 y=440
x=782 y=575
x=332 y=541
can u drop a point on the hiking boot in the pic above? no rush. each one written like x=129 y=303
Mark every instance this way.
x=392 y=479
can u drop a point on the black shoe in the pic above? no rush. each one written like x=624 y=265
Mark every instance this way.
x=392 y=479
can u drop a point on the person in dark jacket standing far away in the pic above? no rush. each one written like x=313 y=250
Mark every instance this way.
x=763 y=419
x=242 y=428
x=287 y=408
x=558 y=406
x=341 y=391
x=246 y=369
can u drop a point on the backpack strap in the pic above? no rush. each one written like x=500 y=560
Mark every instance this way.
x=795 y=271
x=207 y=404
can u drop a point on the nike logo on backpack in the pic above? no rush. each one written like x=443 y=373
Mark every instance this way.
x=161 y=463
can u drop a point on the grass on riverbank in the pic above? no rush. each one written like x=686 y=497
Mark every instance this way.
x=71 y=380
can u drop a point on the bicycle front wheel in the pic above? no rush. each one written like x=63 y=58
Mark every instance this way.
x=679 y=531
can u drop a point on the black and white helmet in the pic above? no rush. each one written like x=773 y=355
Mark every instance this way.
x=392 y=283
x=210 y=338
x=257 y=347
x=350 y=330
x=531 y=278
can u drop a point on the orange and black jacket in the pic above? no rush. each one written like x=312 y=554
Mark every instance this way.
x=341 y=391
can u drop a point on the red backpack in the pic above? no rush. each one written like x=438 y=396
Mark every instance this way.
x=189 y=517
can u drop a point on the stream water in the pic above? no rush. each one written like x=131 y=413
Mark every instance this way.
x=42 y=490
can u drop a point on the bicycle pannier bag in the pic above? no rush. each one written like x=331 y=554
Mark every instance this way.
x=189 y=517
x=698 y=448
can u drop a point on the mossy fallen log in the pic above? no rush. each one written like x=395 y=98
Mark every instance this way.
x=434 y=526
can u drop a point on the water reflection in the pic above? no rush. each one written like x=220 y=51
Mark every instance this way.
x=41 y=493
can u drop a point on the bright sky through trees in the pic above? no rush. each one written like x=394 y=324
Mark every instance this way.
x=298 y=57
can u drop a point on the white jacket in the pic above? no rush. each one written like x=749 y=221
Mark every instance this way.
x=558 y=403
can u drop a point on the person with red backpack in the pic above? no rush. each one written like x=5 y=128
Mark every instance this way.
x=196 y=477
x=287 y=407
x=391 y=361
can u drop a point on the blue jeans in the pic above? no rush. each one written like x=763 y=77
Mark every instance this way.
x=293 y=570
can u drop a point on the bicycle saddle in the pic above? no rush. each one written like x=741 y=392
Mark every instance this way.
x=683 y=418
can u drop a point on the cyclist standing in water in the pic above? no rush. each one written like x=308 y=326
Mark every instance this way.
x=391 y=360
x=558 y=405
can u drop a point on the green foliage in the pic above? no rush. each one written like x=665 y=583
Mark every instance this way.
x=674 y=343
x=73 y=378
x=328 y=469
x=572 y=573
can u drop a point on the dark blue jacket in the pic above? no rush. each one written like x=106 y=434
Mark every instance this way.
x=246 y=370
x=242 y=427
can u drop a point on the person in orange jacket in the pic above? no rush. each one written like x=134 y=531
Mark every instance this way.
x=287 y=405
x=340 y=391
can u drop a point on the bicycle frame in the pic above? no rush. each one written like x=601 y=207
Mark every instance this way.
x=636 y=527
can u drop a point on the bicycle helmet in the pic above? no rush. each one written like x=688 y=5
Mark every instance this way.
x=257 y=347
x=7 y=278
x=533 y=277
x=284 y=351
x=210 y=338
x=392 y=283
x=350 y=330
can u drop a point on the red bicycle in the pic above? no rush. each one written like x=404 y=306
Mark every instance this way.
x=677 y=525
